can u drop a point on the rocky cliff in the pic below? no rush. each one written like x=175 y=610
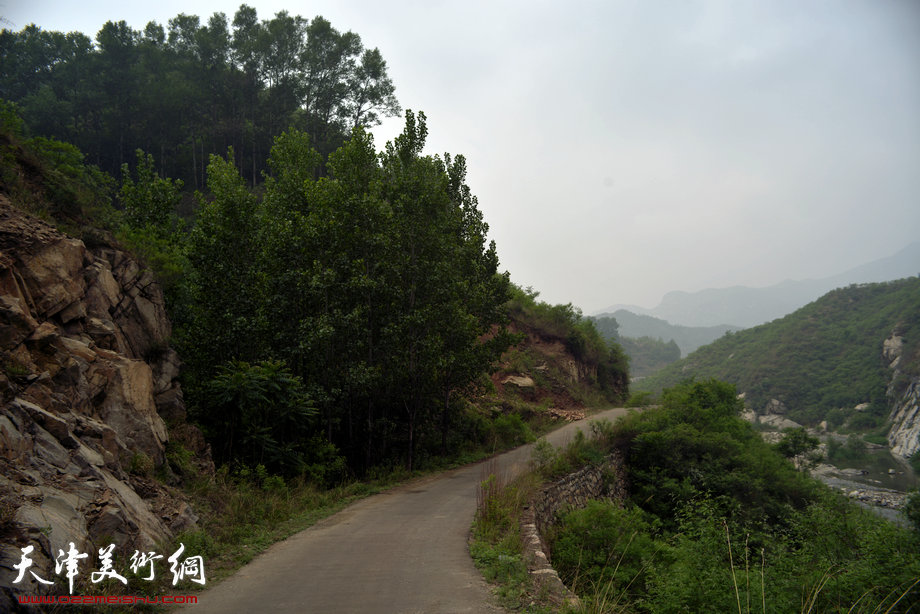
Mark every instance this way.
x=88 y=385
x=904 y=436
x=540 y=369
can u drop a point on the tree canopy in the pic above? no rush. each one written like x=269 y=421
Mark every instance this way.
x=194 y=88
x=374 y=285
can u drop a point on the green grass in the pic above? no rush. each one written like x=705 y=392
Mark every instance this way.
x=495 y=543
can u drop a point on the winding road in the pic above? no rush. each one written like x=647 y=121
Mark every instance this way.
x=402 y=551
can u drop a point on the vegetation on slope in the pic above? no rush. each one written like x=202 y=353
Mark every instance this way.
x=192 y=88
x=601 y=362
x=687 y=338
x=716 y=520
x=647 y=354
x=820 y=361
x=51 y=179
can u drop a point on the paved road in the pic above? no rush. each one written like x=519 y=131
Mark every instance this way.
x=402 y=552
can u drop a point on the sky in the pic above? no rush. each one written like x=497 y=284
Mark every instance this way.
x=623 y=149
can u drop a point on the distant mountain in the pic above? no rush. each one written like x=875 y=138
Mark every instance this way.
x=843 y=358
x=742 y=306
x=688 y=338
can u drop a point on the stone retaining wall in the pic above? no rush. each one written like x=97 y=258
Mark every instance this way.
x=605 y=481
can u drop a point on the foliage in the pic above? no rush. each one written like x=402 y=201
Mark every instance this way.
x=374 y=285
x=565 y=323
x=717 y=520
x=222 y=254
x=642 y=398
x=153 y=232
x=797 y=443
x=51 y=178
x=912 y=508
x=602 y=543
x=260 y=414
x=825 y=356
x=148 y=200
x=648 y=355
x=496 y=545
x=195 y=87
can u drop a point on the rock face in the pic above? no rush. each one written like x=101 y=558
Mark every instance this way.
x=87 y=377
x=904 y=435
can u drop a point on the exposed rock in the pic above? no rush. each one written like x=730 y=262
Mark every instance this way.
x=775 y=406
x=86 y=366
x=773 y=418
x=891 y=350
x=904 y=436
x=521 y=381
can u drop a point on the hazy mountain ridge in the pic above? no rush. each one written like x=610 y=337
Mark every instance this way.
x=687 y=338
x=743 y=306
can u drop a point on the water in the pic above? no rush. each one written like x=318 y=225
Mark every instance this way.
x=876 y=467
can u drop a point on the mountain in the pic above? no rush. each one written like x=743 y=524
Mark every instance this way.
x=687 y=338
x=744 y=307
x=850 y=359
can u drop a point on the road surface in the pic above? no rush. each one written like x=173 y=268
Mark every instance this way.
x=401 y=552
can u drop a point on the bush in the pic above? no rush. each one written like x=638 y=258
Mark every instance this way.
x=260 y=414
x=603 y=544
x=509 y=430
x=642 y=398
x=912 y=508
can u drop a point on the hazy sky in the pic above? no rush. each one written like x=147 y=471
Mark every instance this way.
x=620 y=150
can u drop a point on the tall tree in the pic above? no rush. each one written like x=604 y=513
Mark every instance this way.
x=225 y=287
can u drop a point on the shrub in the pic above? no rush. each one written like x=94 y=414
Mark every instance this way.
x=642 y=398
x=510 y=430
x=604 y=544
x=260 y=414
x=912 y=508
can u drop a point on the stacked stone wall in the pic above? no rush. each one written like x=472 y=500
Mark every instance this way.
x=604 y=481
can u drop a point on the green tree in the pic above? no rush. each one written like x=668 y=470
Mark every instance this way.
x=260 y=414
x=149 y=200
x=224 y=280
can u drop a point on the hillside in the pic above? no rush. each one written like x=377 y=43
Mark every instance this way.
x=559 y=365
x=851 y=359
x=742 y=306
x=687 y=338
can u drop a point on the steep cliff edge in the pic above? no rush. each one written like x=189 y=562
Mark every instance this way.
x=88 y=384
x=904 y=394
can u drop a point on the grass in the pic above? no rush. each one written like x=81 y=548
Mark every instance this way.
x=496 y=544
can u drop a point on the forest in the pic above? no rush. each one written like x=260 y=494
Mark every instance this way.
x=190 y=89
x=334 y=305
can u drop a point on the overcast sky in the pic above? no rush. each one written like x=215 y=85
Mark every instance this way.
x=620 y=150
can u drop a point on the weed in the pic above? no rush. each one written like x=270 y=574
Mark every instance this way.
x=141 y=465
